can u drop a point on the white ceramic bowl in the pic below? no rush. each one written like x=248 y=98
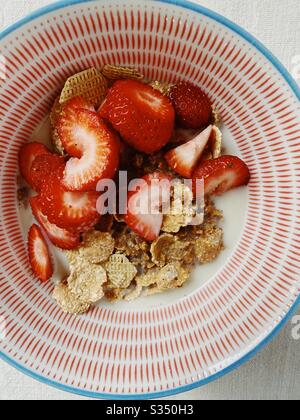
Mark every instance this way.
x=174 y=342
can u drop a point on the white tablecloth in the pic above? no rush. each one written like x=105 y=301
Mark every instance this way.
x=275 y=372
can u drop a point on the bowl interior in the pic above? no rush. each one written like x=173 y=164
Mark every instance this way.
x=230 y=306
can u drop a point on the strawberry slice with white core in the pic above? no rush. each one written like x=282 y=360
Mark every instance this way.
x=99 y=147
x=75 y=211
x=183 y=160
x=68 y=111
x=61 y=238
x=39 y=256
x=144 y=215
x=222 y=174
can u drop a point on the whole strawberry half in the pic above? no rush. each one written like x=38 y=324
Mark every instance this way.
x=61 y=238
x=144 y=215
x=222 y=174
x=143 y=116
x=27 y=155
x=192 y=106
x=74 y=211
x=39 y=256
x=95 y=146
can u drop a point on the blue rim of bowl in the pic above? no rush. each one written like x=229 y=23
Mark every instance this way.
x=295 y=88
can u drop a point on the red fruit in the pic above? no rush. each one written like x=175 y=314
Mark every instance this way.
x=39 y=256
x=192 y=106
x=27 y=155
x=75 y=211
x=144 y=215
x=99 y=150
x=42 y=167
x=222 y=174
x=68 y=112
x=143 y=116
x=61 y=238
x=183 y=160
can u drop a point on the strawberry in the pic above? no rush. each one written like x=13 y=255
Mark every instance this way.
x=39 y=256
x=99 y=150
x=43 y=166
x=144 y=214
x=68 y=111
x=75 y=211
x=184 y=158
x=222 y=174
x=27 y=155
x=143 y=116
x=192 y=106
x=61 y=238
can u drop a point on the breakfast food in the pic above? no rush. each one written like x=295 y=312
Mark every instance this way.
x=139 y=234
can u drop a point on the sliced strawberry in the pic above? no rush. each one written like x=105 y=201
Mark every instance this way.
x=27 y=155
x=61 y=238
x=143 y=116
x=68 y=112
x=39 y=256
x=183 y=160
x=99 y=150
x=222 y=174
x=75 y=211
x=192 y=106
x=144 y=215
x=42 y=167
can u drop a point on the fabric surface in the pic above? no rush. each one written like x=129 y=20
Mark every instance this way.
x=274 y=373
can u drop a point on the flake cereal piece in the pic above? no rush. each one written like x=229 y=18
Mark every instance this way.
x=214 y=147
x=169 y=277
x=120 y=271
x=86 y=282
x=96 y=248
x=89 y=84
x=183 y=211
x=54 y=116
x=209 y=246
x=68 y=301
x=170 y=249
x=119 y=72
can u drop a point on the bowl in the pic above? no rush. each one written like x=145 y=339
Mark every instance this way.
x=181 y=340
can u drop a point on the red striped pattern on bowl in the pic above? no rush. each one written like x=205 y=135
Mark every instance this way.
x=111 y=351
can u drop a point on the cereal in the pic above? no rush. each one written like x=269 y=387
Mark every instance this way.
x=96 y=248
x=170 y=249
x=216 y=117
x=120 y=271
x=163 y=88
x=119 y=72
x=169 y=277
x=209 y=246
x=135 y=248
x=134 y=294
x=87 y=282
x=182 y=211
x=114 y=295
x=68 y=301
x=54 y=116
x=90 y=84
x=214 y=149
